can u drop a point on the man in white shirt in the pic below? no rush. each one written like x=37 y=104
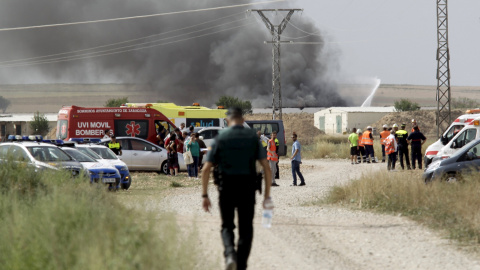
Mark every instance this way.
x=107 y=134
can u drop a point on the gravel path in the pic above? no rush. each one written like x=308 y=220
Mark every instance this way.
x=314 y=237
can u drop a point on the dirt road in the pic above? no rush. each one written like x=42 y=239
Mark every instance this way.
x=314 y=237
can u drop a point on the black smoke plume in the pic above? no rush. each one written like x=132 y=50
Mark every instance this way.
x=234 y=62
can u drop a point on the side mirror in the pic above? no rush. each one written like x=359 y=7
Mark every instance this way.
x=154 y=149
x=454 y=145
x=444 y=140
x=471 y=156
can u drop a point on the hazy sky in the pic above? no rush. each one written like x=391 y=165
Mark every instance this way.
x=396 y=40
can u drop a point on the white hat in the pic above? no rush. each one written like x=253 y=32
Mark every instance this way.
x=413 y=121
x=395 y=126
x=385 y=126
x=359 y=131
x=369 y=127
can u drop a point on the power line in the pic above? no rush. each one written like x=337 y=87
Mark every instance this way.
x=121 y=42
x=136 y=17
x=124 y=47
x=134 y=49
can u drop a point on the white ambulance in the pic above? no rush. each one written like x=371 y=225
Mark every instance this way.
x=457 y=125
x=469 y=133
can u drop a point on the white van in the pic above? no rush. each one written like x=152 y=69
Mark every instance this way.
x=457 y=125
x=469 y=133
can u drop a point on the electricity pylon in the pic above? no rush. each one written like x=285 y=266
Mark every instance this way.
x=276 y=31
x=443 y=68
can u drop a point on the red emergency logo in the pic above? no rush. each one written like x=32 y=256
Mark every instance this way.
x=133 y=129
x=64 y=129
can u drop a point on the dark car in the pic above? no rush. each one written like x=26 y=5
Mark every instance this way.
x=465 y=161
x=266 y=127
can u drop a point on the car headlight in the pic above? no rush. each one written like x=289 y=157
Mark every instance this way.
x=124 y=168
x=433 y=166
x=91 y=173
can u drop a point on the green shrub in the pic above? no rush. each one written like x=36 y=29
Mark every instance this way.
x=405 y=105
x=116 y=102
x=230 y=102
x=39 y=124
x=50 y=221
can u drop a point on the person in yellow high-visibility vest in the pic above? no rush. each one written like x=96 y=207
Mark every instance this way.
x=115 y=146
x=272 y=156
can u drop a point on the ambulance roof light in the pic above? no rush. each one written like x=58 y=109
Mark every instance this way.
x=473 y=111
x=196 y=104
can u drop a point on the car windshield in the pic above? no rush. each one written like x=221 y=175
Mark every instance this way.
x=104 y=152
x=80 y=157
x=48 y=154
x=89 y=152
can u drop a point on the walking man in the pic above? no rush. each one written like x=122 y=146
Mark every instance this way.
x=296 y=161
x=353 y=139
x=277 y=172
x=416 y=139
x=272 y=156
x=402 y=135
x=235 y=152
x=391 y=150
x=367 y=140
x=383 y=135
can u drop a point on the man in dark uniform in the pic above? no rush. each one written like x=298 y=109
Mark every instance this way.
x=402 y=136
x=277 y=172
x=235 y=152
x=416 y=139
x=115 y=146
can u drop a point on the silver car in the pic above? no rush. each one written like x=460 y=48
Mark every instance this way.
x=142 y=155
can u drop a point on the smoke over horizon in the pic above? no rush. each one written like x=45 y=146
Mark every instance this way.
x=234 y=62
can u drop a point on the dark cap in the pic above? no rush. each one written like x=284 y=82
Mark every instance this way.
x=403 y=125
x=234 y=112
x=113 y=137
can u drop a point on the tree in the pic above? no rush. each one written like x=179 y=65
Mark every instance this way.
x=405 y=105
x=39 y=124
x=116 y=102
x=4 y=103
x=464 y=103
x=230 y=102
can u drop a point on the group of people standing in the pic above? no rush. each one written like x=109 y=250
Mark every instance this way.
x=394 y=143
x=180 y=142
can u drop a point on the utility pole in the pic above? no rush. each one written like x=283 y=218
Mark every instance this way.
x=276 y=31
x=443 y=68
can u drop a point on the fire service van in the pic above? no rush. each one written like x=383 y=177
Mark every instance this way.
x=194 y=115
x=457 y=125
x=81 y=122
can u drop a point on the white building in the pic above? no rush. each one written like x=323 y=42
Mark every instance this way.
x=339 y=120
x=19 y=124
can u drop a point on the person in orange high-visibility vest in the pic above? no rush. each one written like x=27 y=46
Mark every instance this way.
x=361 y=148
x=383 y=135
x=391 y=150
x=367 y=140
x=272 y=156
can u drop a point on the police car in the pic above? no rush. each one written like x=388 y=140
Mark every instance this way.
x=97 y=171
x=42 y=156
x=103 y=154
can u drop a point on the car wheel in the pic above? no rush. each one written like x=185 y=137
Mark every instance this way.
x=451 y=178
x=164 y=167
x=126 y=186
